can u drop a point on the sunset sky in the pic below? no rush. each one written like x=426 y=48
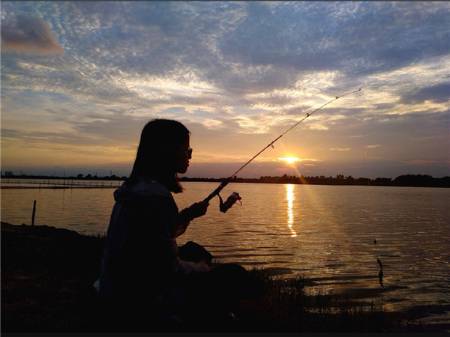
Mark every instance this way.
x=80 y=79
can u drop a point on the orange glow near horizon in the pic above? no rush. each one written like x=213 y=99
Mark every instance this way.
x=290 y=159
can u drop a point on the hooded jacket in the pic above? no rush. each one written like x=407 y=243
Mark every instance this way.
x=141 y=254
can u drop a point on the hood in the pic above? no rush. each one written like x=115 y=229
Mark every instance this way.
x=141 y=188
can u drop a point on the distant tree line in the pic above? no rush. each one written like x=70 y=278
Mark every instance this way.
x=414 y=180
x=419 y=180
x=10 y=174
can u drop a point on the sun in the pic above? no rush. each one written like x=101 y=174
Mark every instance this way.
x=290 y=160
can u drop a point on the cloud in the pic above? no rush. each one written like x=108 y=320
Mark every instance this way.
x=318 y=127
x=24 y=34
x=340 y=149
x=439 y=93
x=421 y=162
x=36 y=138
x=318 y=36
x=212 y=123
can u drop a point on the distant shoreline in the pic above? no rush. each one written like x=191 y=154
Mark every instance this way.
x=407 y=180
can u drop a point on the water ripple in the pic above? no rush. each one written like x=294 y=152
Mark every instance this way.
x=330 y=234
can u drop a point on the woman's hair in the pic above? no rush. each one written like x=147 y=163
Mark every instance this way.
x=157 y=152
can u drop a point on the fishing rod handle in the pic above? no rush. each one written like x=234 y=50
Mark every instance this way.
x=217 y=190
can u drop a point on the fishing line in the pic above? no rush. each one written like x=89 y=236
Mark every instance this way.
x=224 y=206
x=234 y=197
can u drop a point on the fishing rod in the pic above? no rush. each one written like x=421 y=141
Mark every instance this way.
x=224 y=206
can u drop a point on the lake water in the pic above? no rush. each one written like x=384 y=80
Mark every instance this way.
x=324 y=233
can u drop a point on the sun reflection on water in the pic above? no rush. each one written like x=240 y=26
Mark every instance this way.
x=290 y=208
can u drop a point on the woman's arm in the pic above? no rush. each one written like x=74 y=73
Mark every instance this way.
x=185 y=216
x=165 y=217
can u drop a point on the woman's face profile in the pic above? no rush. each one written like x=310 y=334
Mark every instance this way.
x=184 y=154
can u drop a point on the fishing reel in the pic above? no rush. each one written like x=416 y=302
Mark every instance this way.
x=231 y=200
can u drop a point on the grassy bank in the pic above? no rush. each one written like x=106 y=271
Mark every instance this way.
x=47 y=276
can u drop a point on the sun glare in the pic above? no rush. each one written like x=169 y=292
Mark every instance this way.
x=289 y=160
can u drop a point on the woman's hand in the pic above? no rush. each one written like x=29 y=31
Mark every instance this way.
x=198 y=209
x=190 y=213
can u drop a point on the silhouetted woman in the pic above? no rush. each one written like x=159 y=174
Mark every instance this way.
x=143 y=276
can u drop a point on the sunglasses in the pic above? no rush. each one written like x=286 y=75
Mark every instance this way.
x=189 y=151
